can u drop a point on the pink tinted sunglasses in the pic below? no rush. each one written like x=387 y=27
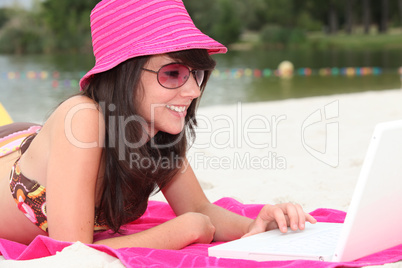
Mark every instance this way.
x=174 y=75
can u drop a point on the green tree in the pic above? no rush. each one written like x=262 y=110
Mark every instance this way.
x=3 y=16
x=280 y=12
x=22 y=33
x=204 y=14
x=228 y=27
x=217 y=18
x=350 y=15
x=253 y=14
x=380 y=13
x=366 y=16
x=69 y=24
x=258 y=13
x=400 y=11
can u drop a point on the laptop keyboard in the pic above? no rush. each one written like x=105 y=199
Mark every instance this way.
x=313 y=241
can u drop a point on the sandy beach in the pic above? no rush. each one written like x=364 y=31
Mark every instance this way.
x=308 y=151
x=275 y=154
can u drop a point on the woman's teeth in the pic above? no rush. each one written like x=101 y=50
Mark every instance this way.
x=176 y=108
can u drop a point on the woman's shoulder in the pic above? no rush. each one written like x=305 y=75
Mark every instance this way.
x=77 y=103
x=80 y=107
x=80 y=116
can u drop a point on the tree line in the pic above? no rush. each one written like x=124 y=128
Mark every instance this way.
x=63 y=25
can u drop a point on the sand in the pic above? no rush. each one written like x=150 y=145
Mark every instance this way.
x=272 y=152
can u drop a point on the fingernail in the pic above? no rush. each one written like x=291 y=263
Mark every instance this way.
x=294 y=226
x=302 y=226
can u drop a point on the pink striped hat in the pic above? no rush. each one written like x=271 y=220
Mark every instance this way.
x=124 y=29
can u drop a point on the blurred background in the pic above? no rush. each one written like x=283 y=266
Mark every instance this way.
x=278 y=49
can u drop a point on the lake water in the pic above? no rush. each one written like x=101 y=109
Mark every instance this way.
x=31 y=86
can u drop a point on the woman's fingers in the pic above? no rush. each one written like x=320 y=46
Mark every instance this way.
x=302 y=216
x=310 y=218
x=280 y=216
x=295 y=216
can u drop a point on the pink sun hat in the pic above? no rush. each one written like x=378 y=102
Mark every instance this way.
x=124 y=29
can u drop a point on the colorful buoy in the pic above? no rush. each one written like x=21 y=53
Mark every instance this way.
x=267 y=72
x=286 y=69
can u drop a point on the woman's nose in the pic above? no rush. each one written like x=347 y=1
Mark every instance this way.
x=191 y=88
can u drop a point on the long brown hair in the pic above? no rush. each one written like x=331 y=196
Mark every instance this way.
x=126 y=188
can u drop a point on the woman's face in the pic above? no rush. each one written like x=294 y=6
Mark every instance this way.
x=158 y=105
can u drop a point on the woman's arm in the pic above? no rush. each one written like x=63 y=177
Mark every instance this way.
x=184 y=194
x=177 y=233
x=75 y=141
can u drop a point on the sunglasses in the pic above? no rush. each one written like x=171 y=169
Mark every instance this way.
x=174 y=75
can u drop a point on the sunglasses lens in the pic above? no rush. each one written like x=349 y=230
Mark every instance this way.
x=199 y=74
x=173 y=75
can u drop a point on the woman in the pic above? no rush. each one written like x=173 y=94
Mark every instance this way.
x=78 y=173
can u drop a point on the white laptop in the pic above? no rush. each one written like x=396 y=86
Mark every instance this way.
x=373 y=222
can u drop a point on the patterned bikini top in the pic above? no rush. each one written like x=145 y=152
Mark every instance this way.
x=30 y=196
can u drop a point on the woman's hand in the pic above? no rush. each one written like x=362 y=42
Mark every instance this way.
x=280 y=216
x=200 y=227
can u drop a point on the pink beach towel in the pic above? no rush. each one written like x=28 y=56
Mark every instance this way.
x=195 y=255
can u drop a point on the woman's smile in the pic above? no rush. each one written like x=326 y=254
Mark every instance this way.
x=179 y=111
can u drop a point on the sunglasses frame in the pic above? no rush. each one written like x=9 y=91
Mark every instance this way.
x=179 y=63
